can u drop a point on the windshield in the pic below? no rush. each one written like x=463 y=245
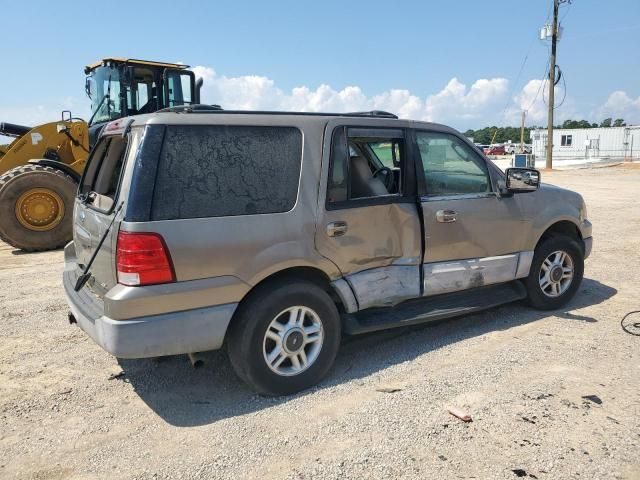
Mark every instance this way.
x=143 y=90
x=104 y=89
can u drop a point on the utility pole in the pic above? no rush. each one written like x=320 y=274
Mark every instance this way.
x=524 y=114
x=552 y=80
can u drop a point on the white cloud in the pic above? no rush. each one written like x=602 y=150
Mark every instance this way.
x=620 y=105
x=530 y=99
x=455 y=103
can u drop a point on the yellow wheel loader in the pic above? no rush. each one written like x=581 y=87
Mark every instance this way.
x=41 y=168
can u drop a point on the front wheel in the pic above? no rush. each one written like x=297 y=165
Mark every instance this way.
x=284 y=338
x=556 y=273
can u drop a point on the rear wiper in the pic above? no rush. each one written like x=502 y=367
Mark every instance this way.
x=86 y=275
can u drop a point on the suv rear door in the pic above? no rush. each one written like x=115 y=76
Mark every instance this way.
x=94 y=208
x=473 y=237
x=370 y=231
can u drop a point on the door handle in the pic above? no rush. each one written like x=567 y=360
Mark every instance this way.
x=336 y=229
x=446 y=216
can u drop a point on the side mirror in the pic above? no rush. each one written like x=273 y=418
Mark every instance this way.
x=522 y=179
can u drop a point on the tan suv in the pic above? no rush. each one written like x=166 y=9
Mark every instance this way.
x=275 y=233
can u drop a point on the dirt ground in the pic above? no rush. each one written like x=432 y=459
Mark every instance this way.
x=552 y=394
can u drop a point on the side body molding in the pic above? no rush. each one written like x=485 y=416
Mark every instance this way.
x=453 y=276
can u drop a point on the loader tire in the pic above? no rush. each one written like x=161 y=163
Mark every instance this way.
x=36 y=207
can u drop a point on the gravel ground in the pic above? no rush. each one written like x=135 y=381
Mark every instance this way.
x=69 y=410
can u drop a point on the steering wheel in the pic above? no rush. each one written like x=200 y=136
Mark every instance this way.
x=389 y=179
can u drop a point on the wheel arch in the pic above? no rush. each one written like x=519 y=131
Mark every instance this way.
x=297 y=273
x=562 y=227
x=305 y=273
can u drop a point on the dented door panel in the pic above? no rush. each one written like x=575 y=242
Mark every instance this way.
x=375 y=236
x=385 y=286
x=379 y=254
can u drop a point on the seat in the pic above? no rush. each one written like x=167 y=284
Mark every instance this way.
x=363 y=183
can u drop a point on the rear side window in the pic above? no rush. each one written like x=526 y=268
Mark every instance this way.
x=215 y=171
x=103 y=172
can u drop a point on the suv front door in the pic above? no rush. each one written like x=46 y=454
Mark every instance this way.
x=473 y=237
x=369 y=225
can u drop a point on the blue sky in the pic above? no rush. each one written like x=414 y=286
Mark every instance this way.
x=453 y=62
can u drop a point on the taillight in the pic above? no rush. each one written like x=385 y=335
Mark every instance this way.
x=143 y=259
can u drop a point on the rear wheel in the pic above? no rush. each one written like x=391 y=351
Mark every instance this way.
x=556 y=272
x=36 y=206
x=284 y=338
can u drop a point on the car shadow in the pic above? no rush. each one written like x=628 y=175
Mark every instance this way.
x=18 y=252
x=185 y=397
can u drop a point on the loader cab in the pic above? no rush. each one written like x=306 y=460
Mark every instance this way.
x=123 y=87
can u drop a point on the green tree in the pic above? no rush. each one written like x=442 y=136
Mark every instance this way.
x=577 y=124
x=485 y=136
x=619 y=122
x=606 y=122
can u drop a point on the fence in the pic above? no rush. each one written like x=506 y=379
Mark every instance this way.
x=564 y=153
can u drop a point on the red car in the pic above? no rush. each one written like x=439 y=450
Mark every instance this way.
x=496 y=150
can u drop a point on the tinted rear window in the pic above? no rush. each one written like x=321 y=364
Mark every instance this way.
x=214 y=171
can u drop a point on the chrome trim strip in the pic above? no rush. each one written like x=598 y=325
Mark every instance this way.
x=467 y=196
x=345 y=293
x=456 y=275
x=524 y=264
x=588 y=246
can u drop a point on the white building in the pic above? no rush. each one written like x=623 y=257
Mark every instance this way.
x=574 y=143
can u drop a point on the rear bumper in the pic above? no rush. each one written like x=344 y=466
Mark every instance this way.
x=187 y=331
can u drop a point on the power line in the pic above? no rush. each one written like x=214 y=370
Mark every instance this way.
x=513 y=86
x=564 y=90
x=566 y=12
x=523 y=64
x=544 y=79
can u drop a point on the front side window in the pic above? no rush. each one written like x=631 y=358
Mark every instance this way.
x=451 y=167
x=365 y=163
x=215 y=171
x=566 y=140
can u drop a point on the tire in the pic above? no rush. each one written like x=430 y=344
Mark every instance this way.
x=556 y=294
x=20 y=180
x=248 y=346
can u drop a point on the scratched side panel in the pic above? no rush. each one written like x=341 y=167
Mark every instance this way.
x=444 y=277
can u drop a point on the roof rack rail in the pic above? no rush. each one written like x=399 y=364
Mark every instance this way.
x=373 y=113
x=199 y=108
x=192 y=108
